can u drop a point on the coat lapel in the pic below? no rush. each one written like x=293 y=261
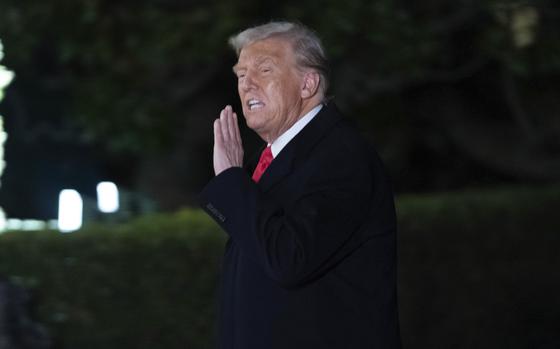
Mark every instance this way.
x=298 y=148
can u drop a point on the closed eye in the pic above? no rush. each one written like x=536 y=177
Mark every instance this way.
x=239 y=72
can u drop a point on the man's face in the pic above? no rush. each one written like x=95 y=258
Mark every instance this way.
x=269 y=86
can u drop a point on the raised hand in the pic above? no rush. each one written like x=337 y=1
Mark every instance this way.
x=228 y=148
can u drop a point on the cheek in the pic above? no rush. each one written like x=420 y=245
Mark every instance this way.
x=240 y=91
x=272 y=85
x=288 y=89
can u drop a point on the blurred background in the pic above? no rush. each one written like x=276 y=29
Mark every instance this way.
x=460 y=98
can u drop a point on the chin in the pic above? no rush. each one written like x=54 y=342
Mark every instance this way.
x=253 y=117
x=255 y=126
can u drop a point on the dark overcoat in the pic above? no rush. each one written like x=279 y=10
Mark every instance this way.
x=311 y=258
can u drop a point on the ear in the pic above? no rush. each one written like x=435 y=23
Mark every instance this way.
x=310 y=84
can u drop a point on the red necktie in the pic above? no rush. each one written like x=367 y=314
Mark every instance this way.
x=264 y=161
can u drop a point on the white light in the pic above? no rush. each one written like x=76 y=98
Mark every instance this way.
x=26 y=224
x=70 y=207
x=33 y=224
x=107 y=197
x=3 y=221
x=6 y=77
x=14 y=224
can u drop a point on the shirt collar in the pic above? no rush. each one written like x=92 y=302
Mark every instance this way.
x=286 y=137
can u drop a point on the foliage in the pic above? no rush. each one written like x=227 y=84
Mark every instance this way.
x=126 y=65
x=429 y=82
x=6 y=77
x=149 y=284
x=131 y=66
x=475 y=270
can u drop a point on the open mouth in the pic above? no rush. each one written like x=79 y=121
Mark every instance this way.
x=254 y=103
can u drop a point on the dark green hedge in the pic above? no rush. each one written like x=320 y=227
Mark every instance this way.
x=147 y=284
x=476 y=270
x=480 y=269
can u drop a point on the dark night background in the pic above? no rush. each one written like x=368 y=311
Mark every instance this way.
x=454 y=95
x=458 y=97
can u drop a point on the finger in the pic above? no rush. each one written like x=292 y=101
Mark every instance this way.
x=237 y=135
x=224 y=125
x=232 y=124
x=218 y=138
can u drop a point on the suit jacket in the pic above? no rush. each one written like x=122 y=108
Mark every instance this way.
x=310 y=260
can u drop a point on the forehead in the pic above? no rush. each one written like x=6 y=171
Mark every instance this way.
x=276 y=50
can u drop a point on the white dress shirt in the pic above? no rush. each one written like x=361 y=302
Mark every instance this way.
x=287 y=136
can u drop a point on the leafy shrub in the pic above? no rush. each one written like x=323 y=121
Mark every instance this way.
x=476 y=270
x=147 y=284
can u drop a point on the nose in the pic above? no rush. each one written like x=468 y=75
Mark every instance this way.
x=247 y=82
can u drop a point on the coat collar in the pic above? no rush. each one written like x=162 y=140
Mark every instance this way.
x=299 y=147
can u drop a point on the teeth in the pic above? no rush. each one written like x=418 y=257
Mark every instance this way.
x=253 y=103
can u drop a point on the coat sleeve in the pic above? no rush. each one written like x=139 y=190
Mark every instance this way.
x=292 y=244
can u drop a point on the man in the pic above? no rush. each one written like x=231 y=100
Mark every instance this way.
x=310 y=261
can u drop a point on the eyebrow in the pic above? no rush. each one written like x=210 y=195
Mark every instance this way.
x=259 y=60
x=266 y=59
